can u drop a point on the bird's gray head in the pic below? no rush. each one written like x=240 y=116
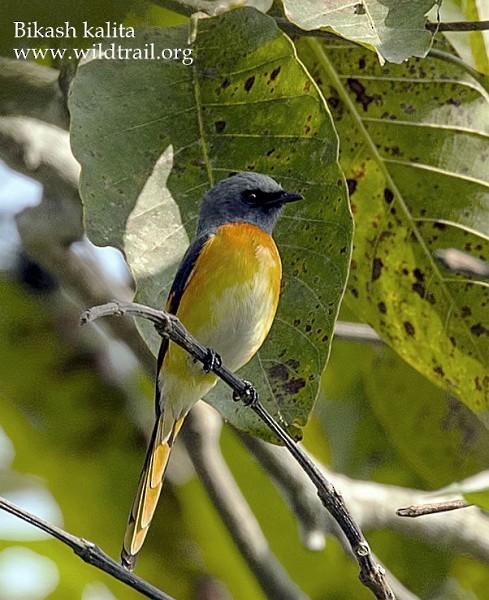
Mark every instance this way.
x=244 y=197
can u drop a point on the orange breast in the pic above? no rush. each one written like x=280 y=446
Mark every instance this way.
x=230 y=301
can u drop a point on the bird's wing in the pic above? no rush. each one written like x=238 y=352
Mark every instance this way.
x=164 y=432
x=179 y=285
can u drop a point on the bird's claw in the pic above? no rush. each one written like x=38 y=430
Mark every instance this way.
x=248 y=396
x=212 y=360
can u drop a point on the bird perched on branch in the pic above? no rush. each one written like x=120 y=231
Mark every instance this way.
x=226 y=293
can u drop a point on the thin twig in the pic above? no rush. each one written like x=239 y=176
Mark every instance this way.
x=372 y=575
x=292 y=29
x=88 y=551
x=313 y=524
x=189 y=7
x=458 y=26
x=419 y=510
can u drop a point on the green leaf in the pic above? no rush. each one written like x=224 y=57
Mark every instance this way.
x=395 y=28
x=245 y=104
x=451 y=443
x=478 y=40
x=373 y=405
x=360 y=446
x=414 y=149
x=480 y=498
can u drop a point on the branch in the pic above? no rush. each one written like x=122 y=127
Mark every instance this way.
x=30 y=90
x=458 y=26
x=201 y=437
x=87 y=551
x=372 y=575
x=41 y=151
x=420 y=510
x=292 y=29
x=373 y=506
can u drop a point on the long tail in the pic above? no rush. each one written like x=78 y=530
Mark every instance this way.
x=149 y=489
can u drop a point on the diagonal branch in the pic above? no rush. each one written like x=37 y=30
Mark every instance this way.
x=372 y=575
x=374 y=506
x=88 y=551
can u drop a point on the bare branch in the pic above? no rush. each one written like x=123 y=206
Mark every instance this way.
x=41 y=151
x=420 y=510
x=372 y=575
x=373 y=505
x=292 y=29
x=458 y=26
x=88 y=551
x=30 y=90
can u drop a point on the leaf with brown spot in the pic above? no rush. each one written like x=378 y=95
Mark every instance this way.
x=430 y=194
x=217 y=118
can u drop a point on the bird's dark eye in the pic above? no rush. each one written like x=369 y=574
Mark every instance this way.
x=250 y=196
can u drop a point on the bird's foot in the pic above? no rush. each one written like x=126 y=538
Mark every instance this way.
x=212 y=360
x=248 y=396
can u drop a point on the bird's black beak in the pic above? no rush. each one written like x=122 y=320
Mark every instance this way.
x=288 y=197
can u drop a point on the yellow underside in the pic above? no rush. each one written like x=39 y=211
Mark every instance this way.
x=229 y=305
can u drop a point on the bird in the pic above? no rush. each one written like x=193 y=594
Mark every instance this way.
x=226 y=293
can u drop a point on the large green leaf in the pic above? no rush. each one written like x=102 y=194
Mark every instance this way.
x=414 y=148
x=374 y=405
x=451 y=443
x=395 y=28
x=245 y=104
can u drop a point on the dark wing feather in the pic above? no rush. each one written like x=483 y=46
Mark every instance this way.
x=178 y=287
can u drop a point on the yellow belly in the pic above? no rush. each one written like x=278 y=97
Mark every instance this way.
x=229 y=305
